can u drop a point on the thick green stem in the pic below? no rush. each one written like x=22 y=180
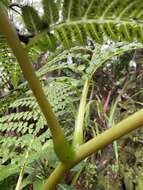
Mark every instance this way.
x=78 y=133
x=56 y=177
x=62 y=147
x=124 y=127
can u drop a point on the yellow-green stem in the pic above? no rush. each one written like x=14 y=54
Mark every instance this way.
x=20 y=178
x=62 y=148
x=124 y=127
x=56 y=177
x=115 y=132
x=78 y=132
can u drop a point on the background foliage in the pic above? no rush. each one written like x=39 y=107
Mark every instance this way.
x=64 y=49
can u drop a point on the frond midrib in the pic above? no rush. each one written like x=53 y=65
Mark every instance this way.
x=98 y=21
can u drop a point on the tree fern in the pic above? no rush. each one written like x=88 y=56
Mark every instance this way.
x=61 y=92
x=77 y=25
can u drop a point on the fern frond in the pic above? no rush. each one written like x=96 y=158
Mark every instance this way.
x=51 y=13
x=32 y=20
x=71 y=9
x=98 y=20
x=17 y=128
x=44 y=41
x=114 y=50
x=60 y=61
x=9 y=77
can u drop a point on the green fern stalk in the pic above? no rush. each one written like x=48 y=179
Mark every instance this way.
x=56 y=176
x=79 y=123
x=62 y=148
x=20 y=178
x=122 y=128
x=22 y=171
